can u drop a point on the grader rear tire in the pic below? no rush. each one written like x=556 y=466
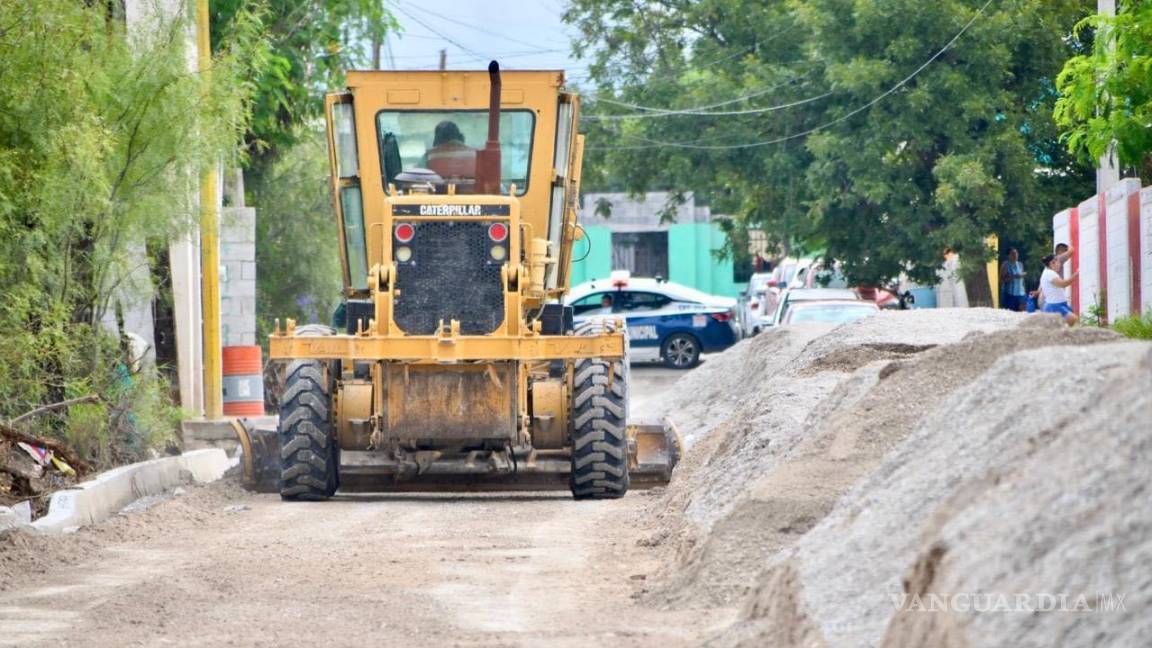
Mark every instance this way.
x=599 y=430
x=308 y=453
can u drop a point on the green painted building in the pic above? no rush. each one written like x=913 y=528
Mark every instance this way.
x=632 y=237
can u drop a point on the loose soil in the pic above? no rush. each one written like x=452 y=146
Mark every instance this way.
x=831 y=476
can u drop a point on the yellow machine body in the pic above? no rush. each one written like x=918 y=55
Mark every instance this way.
x=454 y=363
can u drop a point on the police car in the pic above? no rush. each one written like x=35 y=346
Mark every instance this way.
x=666 y=321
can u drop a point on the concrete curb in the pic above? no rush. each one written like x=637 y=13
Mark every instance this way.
x=105 y=495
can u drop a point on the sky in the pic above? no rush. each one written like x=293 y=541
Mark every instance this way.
x=520 y=34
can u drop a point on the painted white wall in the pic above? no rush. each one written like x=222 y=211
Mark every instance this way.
x=1089 y=255
x=1145 y=260
x=1119 y=263
x=1062 y=233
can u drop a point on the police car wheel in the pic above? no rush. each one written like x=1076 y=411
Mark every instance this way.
x=680 y=351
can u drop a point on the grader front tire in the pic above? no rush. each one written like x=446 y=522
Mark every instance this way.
x=308 y=453
x=599 y=427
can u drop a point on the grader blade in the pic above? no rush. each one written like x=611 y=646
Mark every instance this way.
x=260 y=460
x=656 y=449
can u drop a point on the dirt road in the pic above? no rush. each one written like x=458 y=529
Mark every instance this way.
x=216 y=566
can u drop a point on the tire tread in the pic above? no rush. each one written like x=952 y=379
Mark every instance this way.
x=307 y=453
x=599 y=416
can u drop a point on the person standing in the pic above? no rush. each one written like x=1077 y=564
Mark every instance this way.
x=1012 y=278
x=1052 y=289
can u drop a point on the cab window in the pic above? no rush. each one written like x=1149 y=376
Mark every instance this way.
x=635 y=302
x=446 y=141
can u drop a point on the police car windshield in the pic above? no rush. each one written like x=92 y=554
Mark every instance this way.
x=446 y=142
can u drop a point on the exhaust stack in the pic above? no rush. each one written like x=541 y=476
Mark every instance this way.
x=488 y=159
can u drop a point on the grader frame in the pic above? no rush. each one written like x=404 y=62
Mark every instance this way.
x=456 y=365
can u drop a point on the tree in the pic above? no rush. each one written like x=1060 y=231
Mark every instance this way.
x=1106 y=93
x=298 y=256
x=311 y=43
x=102 y=138
x=878 y=131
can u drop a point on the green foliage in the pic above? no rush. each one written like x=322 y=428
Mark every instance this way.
x=822 y=146
x=310 y=45
x=1137 y=327
x=298 y=254
x=102 y=139
x=1096 y=315
x=1106 y=93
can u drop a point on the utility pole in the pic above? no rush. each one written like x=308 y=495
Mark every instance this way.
x=1107 y=171
x=209 y=246
x=443 y=59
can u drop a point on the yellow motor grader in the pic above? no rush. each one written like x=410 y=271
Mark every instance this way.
x=453 y=363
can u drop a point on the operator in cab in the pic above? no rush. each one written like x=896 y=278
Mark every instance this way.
x=449 y=156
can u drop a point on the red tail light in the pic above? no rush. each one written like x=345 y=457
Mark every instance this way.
x=721 y=317
x=497 y=232
x=405 y=232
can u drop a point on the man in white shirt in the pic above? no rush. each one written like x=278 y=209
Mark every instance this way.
x=1052 y=289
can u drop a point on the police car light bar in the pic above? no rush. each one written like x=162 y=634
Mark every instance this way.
x=619 y=278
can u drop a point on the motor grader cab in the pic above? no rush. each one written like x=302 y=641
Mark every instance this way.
x=453 y=363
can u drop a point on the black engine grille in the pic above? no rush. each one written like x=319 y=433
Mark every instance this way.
x=451 y=275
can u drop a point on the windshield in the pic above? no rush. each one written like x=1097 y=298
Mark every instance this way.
x=836 y=314
x=446 y=142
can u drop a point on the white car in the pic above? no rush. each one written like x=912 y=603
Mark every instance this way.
x=795 y=295
x=836 y=311
x=763 y=295
x=666 y=321
x=752 y=303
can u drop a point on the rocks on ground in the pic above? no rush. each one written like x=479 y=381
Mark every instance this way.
x=921 y=452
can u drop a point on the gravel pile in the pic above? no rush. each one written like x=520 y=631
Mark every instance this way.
x=1032 y=490
x=820 y=493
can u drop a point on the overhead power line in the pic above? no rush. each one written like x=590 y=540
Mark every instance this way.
x=676 y=113
x=449 y=39
x=849 y=115
x=649 y=112
x=467 y=25
x=494 y=55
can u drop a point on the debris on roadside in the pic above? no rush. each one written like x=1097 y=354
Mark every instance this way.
x=32 y=468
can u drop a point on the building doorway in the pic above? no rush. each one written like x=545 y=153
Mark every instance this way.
x=644 y=254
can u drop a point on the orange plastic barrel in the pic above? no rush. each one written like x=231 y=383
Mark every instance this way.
x=243 y=381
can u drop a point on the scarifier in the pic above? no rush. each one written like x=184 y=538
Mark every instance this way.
x=453 y=364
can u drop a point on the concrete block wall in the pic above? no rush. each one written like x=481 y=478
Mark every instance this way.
x=1090 y=282
x=238 y=276
x=1112 y=235
x=1145 y=241
x=1117 y=261
x=1066 y=229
